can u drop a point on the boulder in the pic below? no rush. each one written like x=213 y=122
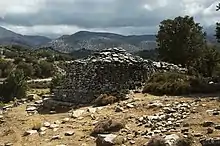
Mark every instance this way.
x=77 y=113
x=217 y=127
x=119 y=109
x=30 y=132
x=69 y=133
x=53 y=126
x=105 y=139
x=171 y=139
x=207 y=124
x=31 y=108
x=210 y=142
x=46 y=124
x=107 y=126
x=32 y=97
x=56 y=137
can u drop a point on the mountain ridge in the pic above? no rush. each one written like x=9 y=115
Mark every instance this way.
x=84 y=40
x=8 y=37
x=100 y=40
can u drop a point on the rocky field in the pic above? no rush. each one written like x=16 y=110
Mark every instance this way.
x=131 y=122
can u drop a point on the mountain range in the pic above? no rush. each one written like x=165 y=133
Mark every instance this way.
x=99 y=40
x=8 y=37
x=82 y=40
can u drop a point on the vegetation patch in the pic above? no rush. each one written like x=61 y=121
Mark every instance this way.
x=157 y=141
x=170 y=83
x=107 y=126
x=105 y=99
x=188 y=141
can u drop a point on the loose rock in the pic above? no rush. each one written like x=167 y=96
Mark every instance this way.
x=30 y=132
x=77 y=113
x=46 y=124
x=69 y=133
x=105 y=139
x=56 y=137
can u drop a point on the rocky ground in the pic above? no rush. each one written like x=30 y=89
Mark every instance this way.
x=142 y=116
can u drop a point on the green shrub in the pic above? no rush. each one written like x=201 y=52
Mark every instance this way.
x=57 y=80
x=27 y=68
x=170 y=83
x=47 y=69
x=157 y=141
x=39 y=85
x=14 y=86
x=5 y=68
x=104 y=100
x=188 y=141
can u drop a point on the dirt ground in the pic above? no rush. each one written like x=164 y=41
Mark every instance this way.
x=17 y=122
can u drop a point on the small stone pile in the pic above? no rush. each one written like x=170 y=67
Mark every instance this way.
x=108 y=71
x=32 y=109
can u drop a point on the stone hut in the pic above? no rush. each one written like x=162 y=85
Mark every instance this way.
x=108 y=71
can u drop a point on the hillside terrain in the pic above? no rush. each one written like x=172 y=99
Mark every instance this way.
x=8 y=37
x=74 y=128
x=97 y=41
x=91 y=41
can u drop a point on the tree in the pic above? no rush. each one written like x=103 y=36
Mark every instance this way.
x=56 y=81
x=180 y=41
x=14 y=86
x=47 y=69
x=17 y=60
x=218 y=26
x=218 y=7
x=37 y=70
x=27 y=68
x=5 y=68
x=207 y=63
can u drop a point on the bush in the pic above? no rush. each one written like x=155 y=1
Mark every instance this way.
x=107 y=126
x=170 y=83
x=47 y=69
x=17 y=60
x=105 y=99
x=39 y=85
x=5 y=68
x=14 y=86
x=36 y=125
x=27 y=68
x=188 y=141
x=156 y=141
x=56 y=81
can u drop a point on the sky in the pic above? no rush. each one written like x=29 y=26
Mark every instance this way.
x=129 y=17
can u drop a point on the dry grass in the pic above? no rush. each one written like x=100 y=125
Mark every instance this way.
x=17 y=122
x=36 y=124
x=39 y=91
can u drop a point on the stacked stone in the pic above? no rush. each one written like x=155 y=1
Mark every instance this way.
x=108 y=71
x=164 y=66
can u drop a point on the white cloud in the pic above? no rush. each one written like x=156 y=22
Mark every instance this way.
x=20 y=6
x=123 y=16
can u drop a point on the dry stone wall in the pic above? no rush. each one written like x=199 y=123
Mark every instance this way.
x=108 y=71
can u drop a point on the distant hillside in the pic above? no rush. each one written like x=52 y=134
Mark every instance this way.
x=8 y=37
x=98 y=40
